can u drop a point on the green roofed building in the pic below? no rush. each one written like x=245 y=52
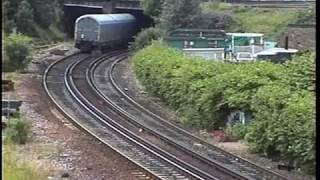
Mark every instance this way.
x=209 y=44
x=197 y=38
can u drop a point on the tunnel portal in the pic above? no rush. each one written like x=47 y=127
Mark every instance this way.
x=73 y=11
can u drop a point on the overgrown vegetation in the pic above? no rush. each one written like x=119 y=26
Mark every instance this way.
x=271 y=22
x=279 y=96
x=16 y=169
x=18 y=131
x=41 y=19
x=144 y=38
x=17 y=51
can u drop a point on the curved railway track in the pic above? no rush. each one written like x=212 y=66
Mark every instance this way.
x=60 y=86
x=142 y=117
x=98 y=105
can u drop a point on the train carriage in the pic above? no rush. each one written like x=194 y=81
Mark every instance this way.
x=102 y=31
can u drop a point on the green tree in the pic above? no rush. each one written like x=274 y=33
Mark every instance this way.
x=44 y=13
x=144 y=38
x=17 y=48
x=24 y=18
x=180 y=14
x=152 y=8
x=8 y=11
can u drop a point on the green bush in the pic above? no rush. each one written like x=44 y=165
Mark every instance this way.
x=237 y=131
x=279 y=96
x=144 y=38
x=18 y=131
x=17 y=49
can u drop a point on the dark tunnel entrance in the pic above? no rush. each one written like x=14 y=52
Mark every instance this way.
x=143 y=21
x=73 y=11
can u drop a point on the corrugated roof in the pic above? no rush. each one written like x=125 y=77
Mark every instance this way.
x=107 y=18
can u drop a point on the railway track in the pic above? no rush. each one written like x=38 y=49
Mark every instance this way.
x=94 y=101
x=60 y=86
x=103 y=81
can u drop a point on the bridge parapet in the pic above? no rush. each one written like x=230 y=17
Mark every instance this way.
x=109 y=6
x=128 y=4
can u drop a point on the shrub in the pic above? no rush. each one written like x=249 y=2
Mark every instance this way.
x=204 y=92
x=144 y=38
x=237 y=131
x=18 y=131
x=18 y=49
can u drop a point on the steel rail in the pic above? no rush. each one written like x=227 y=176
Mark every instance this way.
x=78 y=123
x=123 y=113
x=191 y=170
x=268 y=174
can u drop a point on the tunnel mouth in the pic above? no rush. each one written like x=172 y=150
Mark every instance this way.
x=73 y=11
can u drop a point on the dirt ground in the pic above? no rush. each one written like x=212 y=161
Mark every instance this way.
x=58 y=146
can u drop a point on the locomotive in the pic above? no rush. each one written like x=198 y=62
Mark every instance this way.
x=103 y=31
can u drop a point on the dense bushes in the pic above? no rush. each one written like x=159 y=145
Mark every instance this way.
x=36 y=18
x=17 y=51
x=279 y=96
x=18 y=131
x=144 y=38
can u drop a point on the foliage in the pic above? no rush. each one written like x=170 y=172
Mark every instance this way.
x=301 y=72
x=284 y=124
x=144 y=38
x=237 y=131
x=152 y=8
x=18 y=131
x=28 y=16
x=24 y=18
x=14 y=169
x=211 y=20
x=17 y=49
x=269 y=21
x=180 y=14
x=279 y=96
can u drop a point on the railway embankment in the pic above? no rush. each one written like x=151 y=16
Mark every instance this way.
x=57 y=149
x=201 y=92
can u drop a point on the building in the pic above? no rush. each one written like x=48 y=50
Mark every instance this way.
x=232 y=47
x=209 y=44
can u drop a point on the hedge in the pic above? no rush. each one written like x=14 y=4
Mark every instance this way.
x=279 y=96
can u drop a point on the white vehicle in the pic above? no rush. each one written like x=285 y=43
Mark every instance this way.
x=244 y=56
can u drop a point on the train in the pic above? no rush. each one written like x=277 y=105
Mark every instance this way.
x=103 y=31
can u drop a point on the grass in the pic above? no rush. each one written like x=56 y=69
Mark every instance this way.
x=20 y=169
x=271 y=22
x=14 y=76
